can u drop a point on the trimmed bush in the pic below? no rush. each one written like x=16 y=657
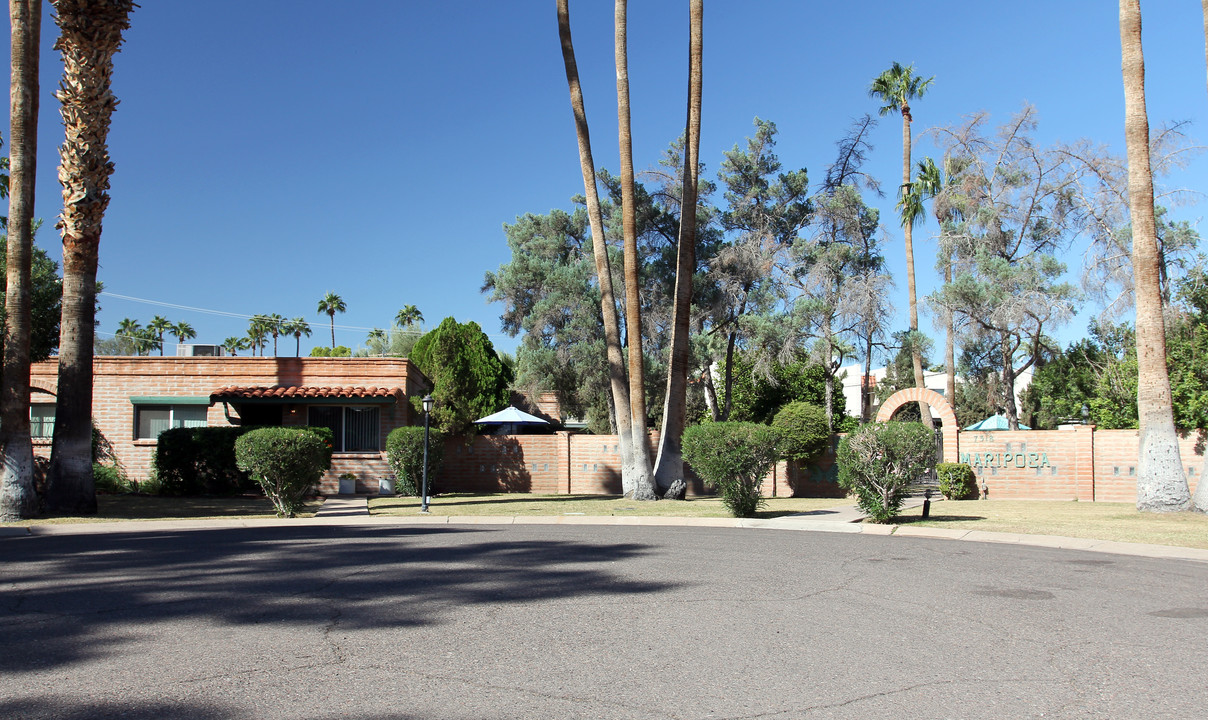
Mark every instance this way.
x=286 y=462
x=957 y=481
x=880 y=461
x=803 y=434
x=733 y=457
x=405 y=455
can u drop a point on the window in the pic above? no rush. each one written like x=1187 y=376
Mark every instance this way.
x=42 y=421
x=353 y=429
x=151 y=420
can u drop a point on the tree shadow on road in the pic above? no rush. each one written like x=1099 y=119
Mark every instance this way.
x=66 y=599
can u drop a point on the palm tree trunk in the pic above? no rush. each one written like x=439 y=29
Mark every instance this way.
x=1161 y=484
x=643 y=477
x=608 y=305
x=17 y=497
x=1200 y=501
x=333 y=330
x=916 y=353
x=91 y=32
x=1204 y=8
x=950 y=344
x=669 y=467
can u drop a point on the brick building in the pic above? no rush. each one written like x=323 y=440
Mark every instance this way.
x=136 y=398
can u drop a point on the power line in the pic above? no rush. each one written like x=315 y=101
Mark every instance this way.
x=224 y=313
x=242 y=316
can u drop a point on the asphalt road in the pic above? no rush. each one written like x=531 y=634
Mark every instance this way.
x=590 y=622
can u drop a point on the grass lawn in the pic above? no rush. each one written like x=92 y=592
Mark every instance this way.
x=517 y=504
x=114 y=508
x=1098 y=521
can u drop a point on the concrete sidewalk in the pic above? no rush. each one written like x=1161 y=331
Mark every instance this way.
x=354 y=511
x=344 y=506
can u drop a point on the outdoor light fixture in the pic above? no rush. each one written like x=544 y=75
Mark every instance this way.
x=428 y=403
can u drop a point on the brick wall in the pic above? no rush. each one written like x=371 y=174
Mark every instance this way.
x=565 y=463
x=117 y=379
x=1082 y=462
x=1078 y=463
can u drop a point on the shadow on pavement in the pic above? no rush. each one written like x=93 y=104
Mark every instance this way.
x=65 y=599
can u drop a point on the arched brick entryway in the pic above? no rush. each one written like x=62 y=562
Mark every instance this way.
x=938 y=403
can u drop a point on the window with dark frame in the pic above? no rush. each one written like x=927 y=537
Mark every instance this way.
x=151 y=420
x=354 y=428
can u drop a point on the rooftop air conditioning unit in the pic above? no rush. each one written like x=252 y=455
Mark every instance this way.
x=194 y=350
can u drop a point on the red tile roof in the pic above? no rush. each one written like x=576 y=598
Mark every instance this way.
x=301 y=392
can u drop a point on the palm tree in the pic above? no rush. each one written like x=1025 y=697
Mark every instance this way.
x=643 y=476
x=608 y=305
x=275 y=325
x=130 y=332
x=90 y=34
x=234 y=344
x=332 y=304
x=158 y=326
x=257 y=332
x=408 y=316
x=1161 y=484
x=927 y=184
x=146 y=342
x=669 y=466
x=297 y=327
x=896 y=87
x=377 y=337
x=182 y=331
x=17 y=497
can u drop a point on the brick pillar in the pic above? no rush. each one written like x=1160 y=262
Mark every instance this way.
x=564 y=463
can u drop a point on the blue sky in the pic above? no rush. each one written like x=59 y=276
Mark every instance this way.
x=269 y=152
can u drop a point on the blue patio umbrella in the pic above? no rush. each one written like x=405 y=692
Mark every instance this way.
x=995 y=422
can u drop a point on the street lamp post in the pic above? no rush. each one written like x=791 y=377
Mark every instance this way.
x=428 y=403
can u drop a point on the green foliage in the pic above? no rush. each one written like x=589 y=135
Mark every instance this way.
x=880 y=461
x=957 y=481
x=337 y=351
x=286 y=462
x=802 y=431
x=469 y=380
x=734 y=457
x=200 y=461
x=405 y=454
x=756 y=397
x=110 y=479
x=1100 y=374
x=45 y=300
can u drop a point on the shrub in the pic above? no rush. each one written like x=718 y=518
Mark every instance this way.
x=337 y=351
x=733 y=457
x=110 y=479
x=802 y=431
x=286 y=462
x=880 y=461
x=200 y=461
x=405 y=454
x=957 y=481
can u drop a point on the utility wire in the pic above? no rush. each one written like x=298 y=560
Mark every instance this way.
x=241 y=316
